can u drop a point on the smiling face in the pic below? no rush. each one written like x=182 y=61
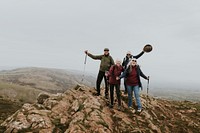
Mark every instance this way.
x=118 y=62
x=128 y=54
x=134 y=62
x=106 y=52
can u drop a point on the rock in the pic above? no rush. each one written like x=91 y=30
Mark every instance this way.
x=191 y=111
x=39 y=122
x=154 y=127
x=78 y=111
x=49 y=103
x=27 y=107
x=146 y=115
x=75 y=106
x=63 y=120
x=198 y=114
x=42 y=97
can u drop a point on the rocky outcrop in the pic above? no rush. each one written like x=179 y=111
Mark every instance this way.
x=79 y=111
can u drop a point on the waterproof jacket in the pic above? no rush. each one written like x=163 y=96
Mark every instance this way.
x=126 y=59
x=115 y=71
x=106 y=61
x=128 y=77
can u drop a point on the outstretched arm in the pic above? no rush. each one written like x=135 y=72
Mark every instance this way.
x=95 y=57
x=124 y=74
x=142 y=74
x=139 y=55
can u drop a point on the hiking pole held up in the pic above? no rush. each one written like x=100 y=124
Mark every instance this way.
x=85 y=61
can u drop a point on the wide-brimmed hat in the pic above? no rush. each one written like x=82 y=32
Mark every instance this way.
x=148 y=48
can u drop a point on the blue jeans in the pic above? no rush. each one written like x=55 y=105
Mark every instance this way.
x=136 y=90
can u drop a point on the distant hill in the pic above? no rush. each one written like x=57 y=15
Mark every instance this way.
x=24 y=84
x=79 y=111
x=189 y=94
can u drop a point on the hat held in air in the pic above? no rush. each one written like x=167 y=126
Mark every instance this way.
x=148 y=48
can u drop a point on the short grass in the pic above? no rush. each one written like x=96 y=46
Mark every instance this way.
x=18 y=93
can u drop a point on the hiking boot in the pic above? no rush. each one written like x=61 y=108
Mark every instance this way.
x=130 y=107
x=110 y=106
x=139 y=110
x=106 y=96
x=119 y=108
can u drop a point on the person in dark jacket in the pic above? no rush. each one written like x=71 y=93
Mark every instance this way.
x=133 y=82
x=125 y=62
x=106 y=63
x=115 y=71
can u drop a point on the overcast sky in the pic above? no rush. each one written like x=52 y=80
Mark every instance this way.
x=52 y=33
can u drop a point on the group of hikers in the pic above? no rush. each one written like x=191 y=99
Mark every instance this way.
x=112 y=72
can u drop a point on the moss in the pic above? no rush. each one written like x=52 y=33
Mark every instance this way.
x=103 y=123
x=86 y=126
x=81 y=106
x=2 y=129
x=25 y=130
x=59 y=126
x=56 y=121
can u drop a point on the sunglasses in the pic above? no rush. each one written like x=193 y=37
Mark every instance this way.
x=106 y=50
x=128 y=54
x=134 y=60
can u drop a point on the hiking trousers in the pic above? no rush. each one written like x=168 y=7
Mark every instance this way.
x=100 y=77
x=136 y=91
x=117 y=87
x=125 y=86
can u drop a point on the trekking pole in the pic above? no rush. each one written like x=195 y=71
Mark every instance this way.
x=84 y=68
x=147 y=91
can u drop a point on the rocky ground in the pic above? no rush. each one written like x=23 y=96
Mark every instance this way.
x=79 y=111
x=7 y=108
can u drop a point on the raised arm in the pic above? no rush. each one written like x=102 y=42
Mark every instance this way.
x=139 y=55
x=95 y=57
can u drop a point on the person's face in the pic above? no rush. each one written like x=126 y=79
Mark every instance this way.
x=128 y=55
x=106 y=52
x=134 y=62
x=118 y=63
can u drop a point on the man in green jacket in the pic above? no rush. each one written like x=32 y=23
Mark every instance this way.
x=106 y=63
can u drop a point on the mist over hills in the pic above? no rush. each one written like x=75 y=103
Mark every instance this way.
x=175 y=90
x=33 y=80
